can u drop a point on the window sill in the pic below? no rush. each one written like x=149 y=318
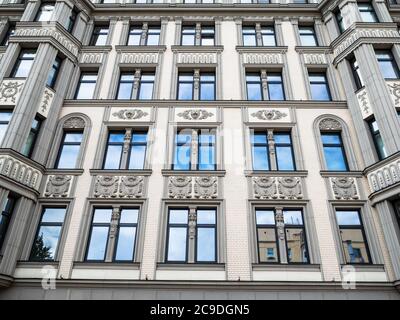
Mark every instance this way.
x=366 y=267
x=278 y=49
x=307 y=49
x=107 y=265
x=179 y=48
x=286 y=267
x=191 y=266
x=327 y=174
x=170 y=172
x=71 y=172
x=37 y=264
x=92 y=48
x=130 y=48
x=274 y=173
x=144 y=172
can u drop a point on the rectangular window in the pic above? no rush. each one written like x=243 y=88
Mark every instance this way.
x=377 y=138
x=206 y=240
x=183 y=149
x=319 y=87
x=127 y=231
x=188 y=36
x=207 y=86
x=253 y=85
x=99 y=36
x=5 y=117
x=352 y=236
x=9 y=33
x=387 y=64
x=24 y=64
x=72 y=20
x=367 y=12
x=153 y=36
x=296 y=240
x=69 y=150
x=267 y=241
x=45 y=12
x=99 y=234
x=115 y=146
x=32 y=137
x=134 y=36
x=48 y=235
x=275 y=86
x=5 y=217
x=52 y=78
x=177 y=237
x=86 y=86
x=339 y=20
x=307 y=36
x=125 y=88
x=207 y=36
x=260 y=151
x=249 y=36
x=268 y=36
x=356 y=74
x=284 y=151
x=206 y=145
x=185 y=86
x=146 y=86
x=335 y=156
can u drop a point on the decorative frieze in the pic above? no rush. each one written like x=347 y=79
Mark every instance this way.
x=281 y=115
x=58 y=186
x=344 y=188
x=10 y=91
x=329 y=124
x=385 y=176
x=315 y=58
x=45 y=102
x=91 y=57
x=262 y=58
x=139 y=58
x=197 y=58
x=194 y=114
x=394 y=89
x=123 y=187
x=187 y=187
x=364 y=103
x=285 y=188
x=130 y=114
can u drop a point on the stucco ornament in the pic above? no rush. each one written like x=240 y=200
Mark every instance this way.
x=280 y=223
x=114 y=222
x=363 y=100
x=192 y=223
x=130 y=114
x=106 y=187
x=344 y=188
x=289 y=188
x=205 y=187
x=74 y=123
x=9 y=91
x=46 y=100
x=131 y=187
x=272 y=114
x=180 y=187
x=394 y=89
x=195 y=114
x=264 y=188
x=58 y=186
x=330 y=124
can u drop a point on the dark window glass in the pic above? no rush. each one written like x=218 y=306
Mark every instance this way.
x=377 y=138
x=367 y=12
x=207 y=35
x=33 y=134
x=206 y=150
x=387 y=64
x=185 y=86
x=24 y=64
x=71 y=20
x=339 y=20
x=352 y=236
x=5 y=217
x=188 y=35
x=99 y=234
x=268 y=36
x=45 y=12
x=135 y=35
x=99 y=36
x=253 y=85
x=146 y=86
x=267 y=242
x=296 y=240
x=260 y=151
x=307 y=36
x=335 y=156
x=356 y=74
x=206 y=240
x=183 y=146
x=48 y=235
x=9 y=33
x=284 y=151
x=207 y=86
x=51 y=79
x=177 y=235
x=249 y=36
x=86 y=86
x=319 y=87
x=5 y=117
x=275 y=86
x=115 y=146
x=126 y=239
x=69 y=150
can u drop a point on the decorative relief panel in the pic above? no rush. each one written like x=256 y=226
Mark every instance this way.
x=20 y=172
x=197 y=58
x=315 y=58
x=58 y=186
x=195 y=114
x=10 y=91
x=344 y=188
x=45 y=102
x=286 y=188
x=364 y=104
x=385 y=176
x=262 y=115
x=186 y=187
x=130 y=114
x=394 y=89
x=91 y=57
x=139 y=57
x=262 y=58
x=124 y=187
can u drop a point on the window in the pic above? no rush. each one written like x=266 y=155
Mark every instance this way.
x=33 y=134
x=134 y=36
x=153 y=36
x=266 y=145
x=198 y=34
x=86 y=86
x=377 y=138
x=185 y=86
x=288 y=222
x=9 y=33
x=356 y=74
x=319 y=87
x=387 y=64
x=352 y=237
x=127 y=230
x=268 y=36
x=188 y=35
x=249 y=36
x=71 y=20
x=99 y=36
x=99 y=234
x=45 y=246
x=51 y=79
x=144 y=35
x=275 y=86
x=335 y=156
x=203 y=90
x=265 y=34
x=207 y=86
x=275 y=89
x=24 y=64
x=178 y=242
x=307 y=36
x=367 y=12
x=207 y=36
x=69 y=150
x=5 y=217
x=253 y=85
x=5 y=117
x=45 y=12
x=203 y=142
x=339 y=20
x=135 y=142
x=127 y=90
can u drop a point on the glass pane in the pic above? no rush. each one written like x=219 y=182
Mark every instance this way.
x=331 y=139
x=137 y=156
x=268 y=40
x=367 y=12
x=113 y=158
x=101 y=40
x=206 y=217
x=267 y=248
x=249 y=39
x=98 y=243
x=284 y=158
x=275 y=91
x=296 y=245
x=24 y=66
x=206 y=244
x=207 y=91
x=260 y=158
x=45 y=245
x=116 y=137
x=259 y=138
x=178 y=216
x=54 y=215
x=206 y=158
x=125 y=244
x=139 y=137
x=45 y=12
x=177 y=244
x=102 y=216
x=129 y=216
x=265 y=217
x=335 y=159
x=354 y=246
x=388 y=69
x=207 y=41
x=74 y=137
x=153 y=39
x=308 y=40
x=182 y=158
x=184 y=137
x=125 y=90
x=86 y=90
x=146 y=91
x=3 y=129
x=68 y=157
x=348 y=218
x=134 y=39
x=320 y=91
x=282 y=138
x=188 y=40
x=254 y=91
x=185 y=91
x=293 y=217
x=5 y=116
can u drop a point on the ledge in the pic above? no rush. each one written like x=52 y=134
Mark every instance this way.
x=276 y=173
x=327 y=174
x=107 y=265
x=145 y=172
x=286 y=267
x=191 y=266
x=313 y=49
x=67 y=172
x=5 y=281
x=133 y=49
x=105 y=48
x=366 y=267
x=36 y=264
x=179 y=48
x=169 y=172
x=381 y=163
x=262 y=49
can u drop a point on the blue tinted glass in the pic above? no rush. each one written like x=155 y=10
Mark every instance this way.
x=184 y=138
x=178 y=216
x=129 y=216
x=75 y=137
x=53 y=215
x=113 y=157
x=182 y=158
x=265 y=217
x=68 y=157
x=139 y=137
x=5 y=116
x=206 y=217
x=125 y=91
x=282 y=138
x=206 y=158
x=136 y=160
x=388 y=69
x=275 y=91
x=350 y=218
x=206 y=244
x=207 y=91
x=50 y=236
x=98 y=243
x=335 y=160
x=116 y=137
x=259 y=138
x=102 y=215
x=146 y=91
x=185 y=91
x=260 y=158
x=177 y=244
x=284 y=158
x=320 y=91
x=125 y=244
x=254 y=91
x=331 y=139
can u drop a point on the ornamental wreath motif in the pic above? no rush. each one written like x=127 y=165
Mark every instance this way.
x=130 y=114
x=269 y=114
x=195 y=114
x=9 y=91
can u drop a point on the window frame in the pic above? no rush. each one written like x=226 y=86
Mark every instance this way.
x=355 y=69
x=392 y=61
x=35 y=132
x=175 y=225
x=96 y=33
x=20 y=59
x=365 y=8
x=342 y=147
x=308 y=35
x=374 y=134
x=266 y=226
x=6 y=123
x=296 y=226
x=63 y=143
x=10 y=32
x=249 y=74
x=40 y=10
x=215 y=227
x=80 y=82
x=326 y=83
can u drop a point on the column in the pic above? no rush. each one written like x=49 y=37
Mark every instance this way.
x=80 y=25
x=350 y=12
x=62 y=12
x=31 y=9
x=382 y=11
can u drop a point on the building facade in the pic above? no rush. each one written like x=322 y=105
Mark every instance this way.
x=199 y=149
